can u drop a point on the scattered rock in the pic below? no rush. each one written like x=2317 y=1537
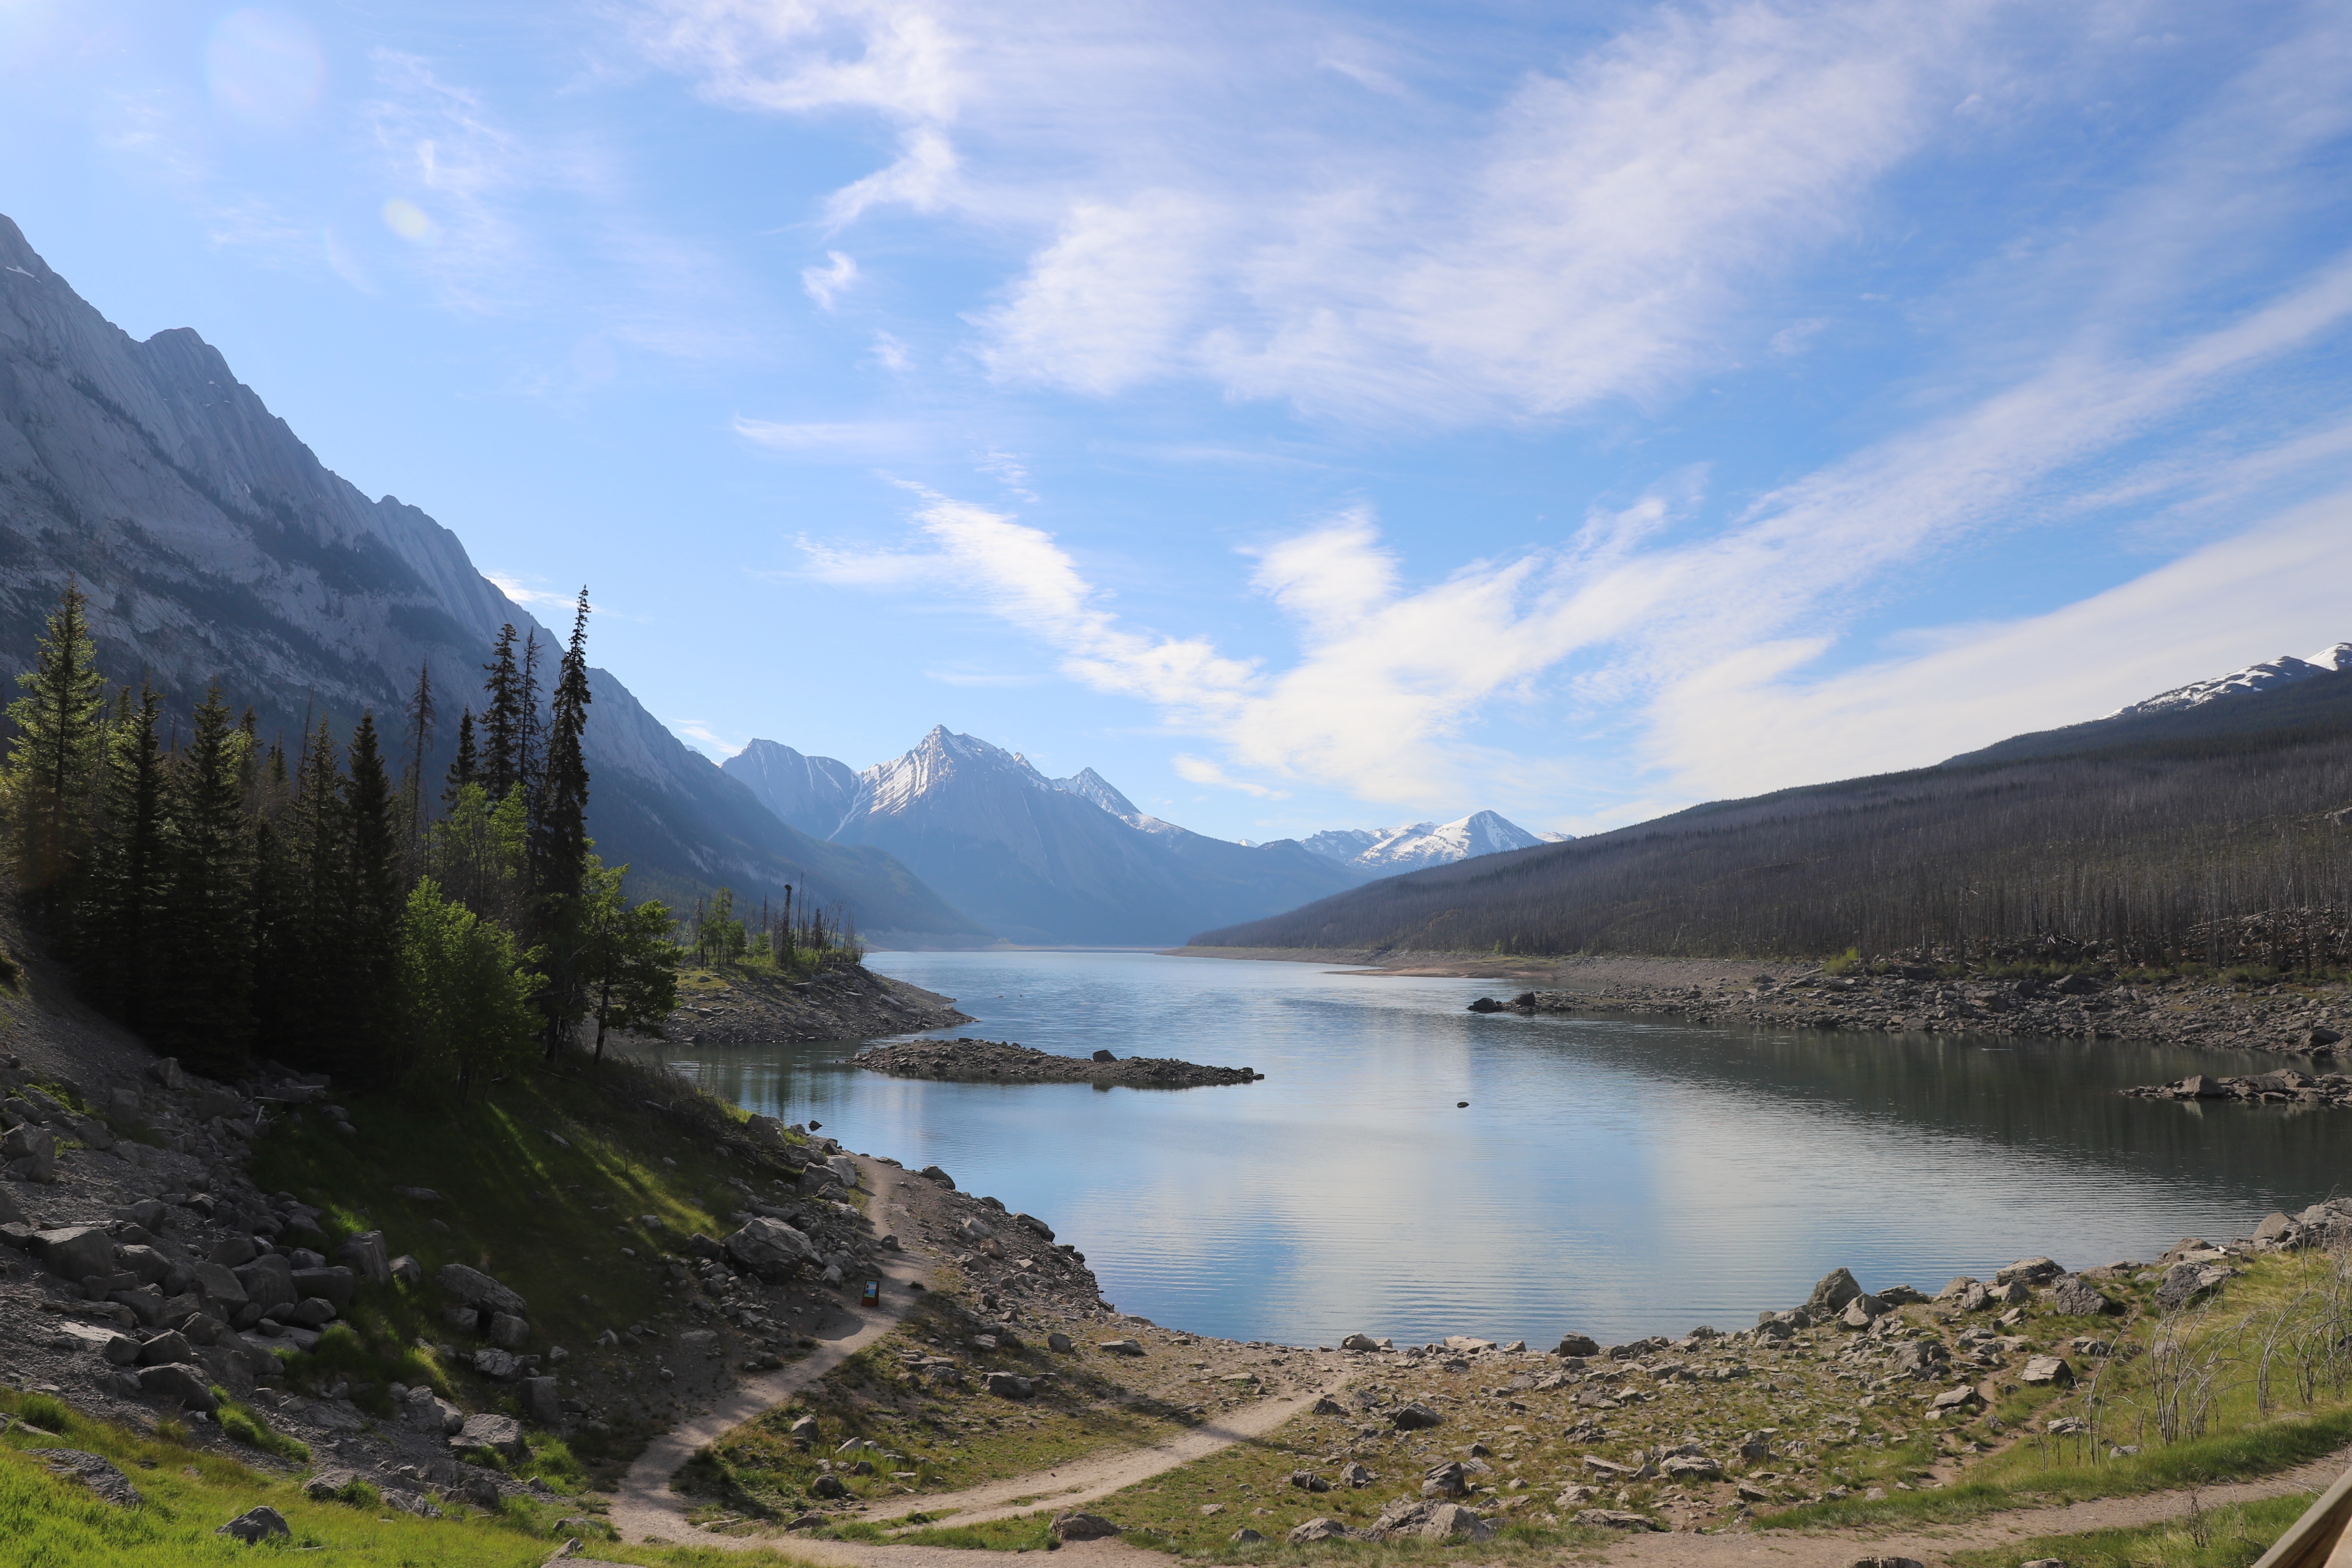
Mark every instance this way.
x=256 y=1524
x=2076 y=1296
x=1316 y=1529
x=93 y=1472
x=1008 y=1385
x=1414 y=1418
x=2046 y=1369
x=1830 y=1297
x=1082 y=1527
x=1578 y=1345
x=1617 y=1518
x=500 y=1434
x=1122 y=1347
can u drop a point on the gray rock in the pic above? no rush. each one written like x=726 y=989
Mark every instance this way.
x=312 y=1312
x=337 y=1284
x=478 y=1291
x=177 y=1381
x=1245 y=1536
x=2030 y=1270
x=1830 y=1297
x=541 y=1403
x=256 y=1524
x=1616 y=1519
x=218 y=1287
x=1082 y=1527
x=501 y=1435
x=164 y=1349
x=2184 y=1282
x=1578 y=1345
x=93 y=1472
x=75 y=1251
x=492 y=1361
x=408 y=1270
x=933 y=1173
x=2046 y=1369
x=1893 y=1563
x=1407 y=1520
x=508 y=1331
x=1122 y=1347
x=1359 y=1342
x=1415 y=1417
x=267 y=1281
x=1007 y=1385
x=1690 y=1467
x=1862 y=1311
x=1059 y=1343
x=1316 y=1529
x=2077 y=1297
x=1355 y=1475
x=770 y=1248
x=151 y=1267
x=1440 y=1481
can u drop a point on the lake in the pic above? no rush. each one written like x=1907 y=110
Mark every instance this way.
x=1619 y=1177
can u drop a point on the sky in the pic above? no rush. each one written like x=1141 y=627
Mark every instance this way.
x=1305 y=416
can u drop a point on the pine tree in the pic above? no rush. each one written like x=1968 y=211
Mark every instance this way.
x=376 y=898
x=560 y=837
x=126 y=868
x=501 y=717
x=527 y=731
x=302 y=897
x=204 y=998
x=420 y=744
x=53 y=761
x=465 y=767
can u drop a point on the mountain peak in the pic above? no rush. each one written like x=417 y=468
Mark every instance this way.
x=2268 y=676
x=1089 y=784
x=1385 y=852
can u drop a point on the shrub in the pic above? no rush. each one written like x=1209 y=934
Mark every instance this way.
x=44 y=1411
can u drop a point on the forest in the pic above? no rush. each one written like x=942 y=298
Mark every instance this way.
x=2200 y=851
x=325 y=905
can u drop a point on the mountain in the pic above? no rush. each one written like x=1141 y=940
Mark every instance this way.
x=1045 y=860
x=2173 y=831
x=813 y=794
x=2268 y=676
x=215 y=546
x=1384 y=852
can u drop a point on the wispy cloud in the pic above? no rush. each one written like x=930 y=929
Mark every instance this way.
x=827 y=283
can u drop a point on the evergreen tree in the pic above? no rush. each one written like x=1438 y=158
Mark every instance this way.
x=126 y=868
x=501 y=717
x=301 y=896
x=376 y=900
x=203 y=1009
x=527 y=731
x=561 y=836
x=53 y=761
x=420 y=744
x=465 y=767
x=627 y=956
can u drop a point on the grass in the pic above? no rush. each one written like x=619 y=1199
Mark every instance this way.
x=2228 y=1537
x=249 y=1427
x=51 y=1521
x=946 y=1439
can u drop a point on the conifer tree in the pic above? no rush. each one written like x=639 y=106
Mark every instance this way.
x=53 y=761
x=560 y=837
x=526 y=730
x=203 y=1000
x=420 y=745
x=465 y=768
x=501 y=737
x=126 y=871
x=376 y=898
x=302 y=897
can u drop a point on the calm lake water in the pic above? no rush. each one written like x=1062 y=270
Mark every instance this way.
x=1617 y=1177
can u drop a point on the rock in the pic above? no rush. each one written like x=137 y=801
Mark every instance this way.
x=30 y=1151
x=541 y=1403
x=267 y=1281
x=1121 y=1347
x=2044 y=1563
x=1407 y=1520
x=312 y=1312
x=408 y=1270
x=933 y=1173
x=2272 y=1228
x=1032 y=1224
x=1245 y=1536
x=2030 y=1270
x=220 y=1287
x=1359 y=1342
x=1308 y=1481
x=1059 y=1343
x=1316 y=1529
x=478 y=1291
x=1355 y=1475
x=1954 y=1399
x=492 y=1361
x=1007 y=1385
x=1862 y=1311
x=701 y=1341
x=164 y=1349
x=1327 y=1405
x=1921 y=1359
x=1830 y=1297
x=508 y=1331
x=1414 y=1418
x=770 y=1248
x=336 y=1285
x=1486 y=1004
x=177 y=1381
x=1447 y=1480
x=2076 y=1296
x=1104 y=1057
x=2184 y=1282
x=2318 y=1037
x=1616 y=1519
x=1578 y=1345
x=256 y=1524
x=74 y=1252
x=151 y=1266
x=2046 y=1369
x=465 y=1320
x=93 y=1472
x=1690 y=1467
x=1082 y=1527
x=502 y=1435
x=1893 y=1562
x=828 y=1486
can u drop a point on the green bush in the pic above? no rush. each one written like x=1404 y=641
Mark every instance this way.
x=44 y=1411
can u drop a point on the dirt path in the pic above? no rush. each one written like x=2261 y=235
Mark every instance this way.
x=1780 y=1549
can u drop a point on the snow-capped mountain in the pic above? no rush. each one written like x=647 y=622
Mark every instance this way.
x=1035 y=859
x=2268 y=676
x=1388 y=852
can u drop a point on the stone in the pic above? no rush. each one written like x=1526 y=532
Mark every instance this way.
x=2076 y=1296
x=1690 y=1467
x=2184 y=1282
x=1121 y=1347
x=93 y=1472
x=1316 y=1529
x=256 y=1524
x=1245 y=1536
x=322 y=1487
x=541 y=1403
x=2272 y=1228
x=1077 y=1526
x=1414 y=1418
x=1059 y=1343
x=30 y=1151
x=1954 y=1399
x=177 y=1381
x=1578 y=1345
x=1359 y=1342
x=75 y=1251
x=465 y=1320
x=769 y=1248
x=478 y=1291
x=1862 y=1311
x=1308 y=1481
x=1355 y=1475
x=120 y=1349
x=1447 y=1480
x=492 y=1361
x=312 y=1312
x=267 y=1281
x=1007 y=1385
x=2046 y=1369
x=337 y=1284
x=165 y=1348
x=933 y=1173
x=1893 y=1562
x=1830 y=1297
x=508 y=1331
x=233 y=1252
x=408 y=1270
x=502 y=1435
x=2031 y=1270
x=151 y=1266
x=1616 y=1519
x=1104 y=1057
x=1327 y=1405
x=701 y=1341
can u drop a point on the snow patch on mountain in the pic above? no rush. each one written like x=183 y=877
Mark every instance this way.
x=2268 y=676
x=1386 y=852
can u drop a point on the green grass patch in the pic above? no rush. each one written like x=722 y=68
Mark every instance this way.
x=2228 y=1537
x=1025 y=1532
x=246 y=1426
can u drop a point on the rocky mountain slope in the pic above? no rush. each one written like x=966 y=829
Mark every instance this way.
x=215 y=546
x=1387 y=851
x=2267 y=675
x=1038 y=859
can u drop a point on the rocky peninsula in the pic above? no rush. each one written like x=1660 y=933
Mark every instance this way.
x=967 y=1060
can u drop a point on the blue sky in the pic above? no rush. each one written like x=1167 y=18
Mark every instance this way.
x=1305 y=416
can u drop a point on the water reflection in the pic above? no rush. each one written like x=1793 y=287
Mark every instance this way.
x=1622 y=1177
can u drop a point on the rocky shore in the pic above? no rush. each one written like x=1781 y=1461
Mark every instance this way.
x=1917 y=999
x=743 y=1008
x=2287 y=1087
x=967 y=1060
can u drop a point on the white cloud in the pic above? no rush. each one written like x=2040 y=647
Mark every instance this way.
x=800 y=56
x=520 y=591
x=700 y=735
x=865 y=441
x=824 y=284
x=1201 y=771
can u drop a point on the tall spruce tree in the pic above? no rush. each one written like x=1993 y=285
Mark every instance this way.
x=203 y=1000
x=527 y=731
x=377 y=894
x=302 y=895
x=465 y=767
x=501 y=725
x=560 y=837
x=420 y=746
x=126 y=866
x=53 y=761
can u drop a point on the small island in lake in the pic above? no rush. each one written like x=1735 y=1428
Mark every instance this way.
x=966 y=1060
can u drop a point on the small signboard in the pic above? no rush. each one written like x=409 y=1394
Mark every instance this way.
x=873 y=1294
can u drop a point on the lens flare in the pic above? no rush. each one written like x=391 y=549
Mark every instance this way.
x=406 y=220
x=265 y=67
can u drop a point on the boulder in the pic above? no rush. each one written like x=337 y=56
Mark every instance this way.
x=1355 y=1475
x=256 y=1524
x=541 y=1403
x=1409 y=1520
x=74 y=1252
x=324 y=1486
x=1007 y=1385
x=1445 y=1480
x=1414 y=1418
x=1245 y=1536
x=508 y=1331
x=94 y=1473
x=368 y=1257
x=1316 y=1529
x=267 y=1281
x=1327 y=1405
x=1862 y=1311
x=1082 y=1527
x=312 y=1312
x=1104 y=1055
x=769 y=1248
x=2077 y=1297
x=478 y=1291
x=1308 y=1481
x=30 y=1151
x=1578 y=1345
x=187 y=1385
x=2030 y=1270
x=1690 y=1467
x=1959 y=1398
x=164 y=1349
x=502 y=1435
x=408 y=1270
x=151 y=1266
x=1121 y=1347
x=1059 y=1343
x=465 y=1320
x=933 y=1173
x=1359 y=1342
x=1830 y=1297
x=2184 y=1282
x=1903 y=1563
x=492 y=1361
x=2046 y=1369
x=1616 y=1519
